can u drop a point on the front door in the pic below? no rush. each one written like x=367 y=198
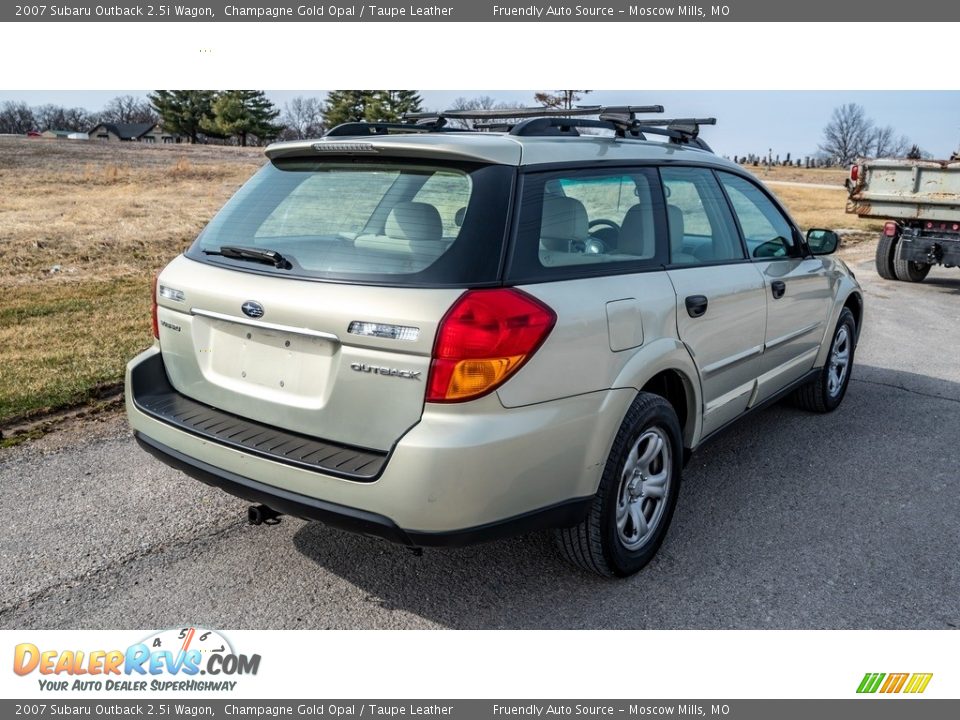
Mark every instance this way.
x=721 y=306
x=799 y=290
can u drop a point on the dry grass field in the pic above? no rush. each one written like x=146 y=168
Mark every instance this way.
x=85 y=226
x=83 y=229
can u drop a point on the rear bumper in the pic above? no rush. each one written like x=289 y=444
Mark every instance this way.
x=360 y=521
x=930 y=249
x=463 y=474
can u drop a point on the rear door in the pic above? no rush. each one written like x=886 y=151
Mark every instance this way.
x=721 y=307
x=799 y=290
x=334 y=339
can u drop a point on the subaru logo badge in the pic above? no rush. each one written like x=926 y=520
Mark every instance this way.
x=252 y=309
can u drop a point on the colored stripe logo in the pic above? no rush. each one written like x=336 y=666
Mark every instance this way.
x=912 y=683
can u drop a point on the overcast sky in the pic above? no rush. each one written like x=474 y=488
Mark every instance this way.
x=747 y=121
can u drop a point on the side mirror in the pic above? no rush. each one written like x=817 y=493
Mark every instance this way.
x=822 y=242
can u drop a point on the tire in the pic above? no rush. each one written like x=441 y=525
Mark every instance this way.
x=908 y=271
x=611 y=540
x=825 y=392
x=886 y=247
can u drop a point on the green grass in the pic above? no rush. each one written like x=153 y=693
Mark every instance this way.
x=61 y=342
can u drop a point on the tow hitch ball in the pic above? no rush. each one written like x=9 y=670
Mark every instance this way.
x=262 y=515
x=935 y=253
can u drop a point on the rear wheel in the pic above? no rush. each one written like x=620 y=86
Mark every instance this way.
x=632 y=509
x=909 y=271
x=825 y=392
x=885 y=250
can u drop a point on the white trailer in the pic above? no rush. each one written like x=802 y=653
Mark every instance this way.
x=920 y=200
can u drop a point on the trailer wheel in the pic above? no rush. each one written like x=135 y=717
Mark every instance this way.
x=886 y=248
x=909 y=271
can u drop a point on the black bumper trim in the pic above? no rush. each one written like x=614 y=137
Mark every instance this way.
x=153 y=395
x=930 y=249
x=361 y=521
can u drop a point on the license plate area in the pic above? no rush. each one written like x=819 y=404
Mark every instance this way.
x=265 y=363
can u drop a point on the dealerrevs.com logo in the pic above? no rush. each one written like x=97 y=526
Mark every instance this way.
x=182 y=659
x=909 y=683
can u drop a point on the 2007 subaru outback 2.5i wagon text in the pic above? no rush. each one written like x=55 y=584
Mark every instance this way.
x=440 y=336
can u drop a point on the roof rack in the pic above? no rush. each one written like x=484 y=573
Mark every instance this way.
x=543 y=121
x=523 y=113
x=365 y=129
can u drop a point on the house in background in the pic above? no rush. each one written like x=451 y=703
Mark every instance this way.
x=134 y=132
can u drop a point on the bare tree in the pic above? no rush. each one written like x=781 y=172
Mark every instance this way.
x=57 y=117
x=561 y=99
x=16 y=118
x=302 y=118
x=128 y=109
x=885 y=143
x=482 y=102
x=848 y=135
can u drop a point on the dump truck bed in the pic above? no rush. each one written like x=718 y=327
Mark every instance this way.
x=906 y=190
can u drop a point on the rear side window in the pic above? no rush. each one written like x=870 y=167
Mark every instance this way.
x=393 y=223
x=586 y=222
x=702 y=230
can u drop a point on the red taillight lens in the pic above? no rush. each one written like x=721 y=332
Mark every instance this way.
x=153 y=309
x=854 y=172
x=890 y=229
x=483 y=339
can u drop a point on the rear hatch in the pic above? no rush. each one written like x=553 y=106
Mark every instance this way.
x=310 y=303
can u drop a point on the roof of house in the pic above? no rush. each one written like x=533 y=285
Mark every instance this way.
x=127 y=131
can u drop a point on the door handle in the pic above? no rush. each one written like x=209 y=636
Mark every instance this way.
x=696 y=305
x=778 y=287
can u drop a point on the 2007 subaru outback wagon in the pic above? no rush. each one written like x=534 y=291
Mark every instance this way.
x=440 y=336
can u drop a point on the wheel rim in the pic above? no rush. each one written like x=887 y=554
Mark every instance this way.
x=644 y=486
x=839 y=361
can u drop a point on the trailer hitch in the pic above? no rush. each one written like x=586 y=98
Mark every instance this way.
x=935 y=253
x=262 y=515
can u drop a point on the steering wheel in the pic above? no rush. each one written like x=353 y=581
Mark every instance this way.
x=604 y=234
x=603 y=222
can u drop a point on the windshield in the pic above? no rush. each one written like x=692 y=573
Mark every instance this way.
x=384 y=222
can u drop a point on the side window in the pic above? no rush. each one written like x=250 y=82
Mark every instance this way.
x=767 y=232
x=702 y=230
x=580 y=222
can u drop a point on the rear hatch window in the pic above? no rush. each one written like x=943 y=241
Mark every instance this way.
x=385 y=222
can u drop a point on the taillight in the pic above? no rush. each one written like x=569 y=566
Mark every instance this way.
x=153 y=309
x=854 y=172
x=890 y=229
x=484 y=339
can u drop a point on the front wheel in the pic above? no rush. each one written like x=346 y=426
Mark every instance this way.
x=634 y=504
x=826 y=391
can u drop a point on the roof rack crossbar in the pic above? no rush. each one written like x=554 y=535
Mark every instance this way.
x=532 y=127
x=366 y=129
x=532 y=112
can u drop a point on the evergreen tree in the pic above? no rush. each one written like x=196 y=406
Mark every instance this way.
x=346 y=106
x=370 y=105
x=183 y=111
x=242 y=113
x=390 y=105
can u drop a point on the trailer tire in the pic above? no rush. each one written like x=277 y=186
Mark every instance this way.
x=909 y=271
x=886 y=248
